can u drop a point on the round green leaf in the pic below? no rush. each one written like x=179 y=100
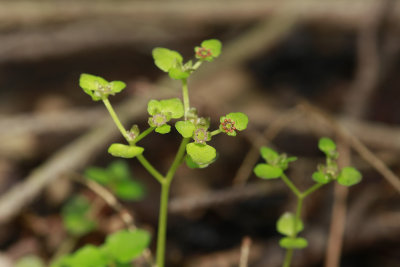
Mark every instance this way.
x=163 y=129
x=214 y=45
x=97 y=174
x=266 y=171
x=270 y=155
x=326 y=145
x=293 y=243
x=153 y=107
x=91 y=82
x=124 y=246
x=177 y=73
x=88 y=256
x=117 y=86
x=129 y=190
x=241 y=120
x=165 y=58
x=30 y=261
x=321 y=177
x=193 y=165
x=125 y=151
x=200 y=153
x=185 y=128
x=75 y=214
x=285 y=224
x=349 y=176
x=119 y=170
x=172 y=106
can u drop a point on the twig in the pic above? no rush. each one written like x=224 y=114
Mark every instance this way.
x=108 y=197
x=230 y=195
x=244 y=252
x=338 y=217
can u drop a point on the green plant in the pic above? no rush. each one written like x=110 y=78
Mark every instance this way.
x=194 y=148
x=290 y=224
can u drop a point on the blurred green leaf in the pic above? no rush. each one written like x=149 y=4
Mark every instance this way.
x=293 y=243
x=285 y=224
x=125 y=151
x=349 y=176
x=266 y=171
x=76 y=217
x=124 y=246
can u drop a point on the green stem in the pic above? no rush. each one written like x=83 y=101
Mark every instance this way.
x=312 y=189
x=288 y=257
x=178 y=160
x=185 y=95
x=116 y=120
x=163 y=216
x=162 y=224
x=291 y=185
x=147 y=165
x=144 y=134
x=215 y=132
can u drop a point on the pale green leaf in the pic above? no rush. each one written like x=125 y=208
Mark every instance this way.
x=124 y=246
x=125 y=151
x=270 y=155
x=173 y=107
x=177 y=73
x=129 y=190
x=321 y=177
x=185 y=128
x=326 y=145
x=163 y=129
x=293 y=243
x=88 y=256
x=165 y=59
x=241 y=120
x=117 y=86
x=266 y=171
x=349 y=176
x=285 y=224
x=201 y=154
x=214 y=45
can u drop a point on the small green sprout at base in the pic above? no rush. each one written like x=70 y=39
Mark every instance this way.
x=290 y=224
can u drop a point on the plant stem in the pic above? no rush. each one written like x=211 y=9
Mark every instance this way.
x=163 y=215
x=312 y=189
x=288 y=258
x=291 y=185
x=116 y=120
x=147 y=165
x=185 y=95
x=144 y=134
x=178 y=160
x=162 y=225
x=215 y=132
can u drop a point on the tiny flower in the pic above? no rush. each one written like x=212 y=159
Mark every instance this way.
x=209 y=50
x=202 y=52
x=233 y=122
x=99 y=88
x=201 y=135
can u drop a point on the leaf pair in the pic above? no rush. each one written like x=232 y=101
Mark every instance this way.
x=162 y=112
x=99 y=88
x=288 y=225
x=172 y=61
x=119 y=249
x=274 y=166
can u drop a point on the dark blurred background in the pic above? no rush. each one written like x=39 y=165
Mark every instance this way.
x=299 y=69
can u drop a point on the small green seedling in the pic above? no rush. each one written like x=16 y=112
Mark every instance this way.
x=119 y=249
x=118 y=178
x=76 y=216
x=195 y=149
x=289 y=224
